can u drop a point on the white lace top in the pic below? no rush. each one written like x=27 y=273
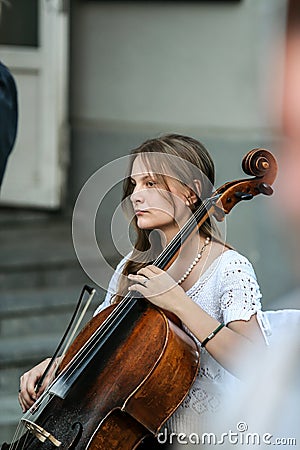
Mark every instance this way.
x=228 y=290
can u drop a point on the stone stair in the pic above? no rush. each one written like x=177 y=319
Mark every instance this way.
x=40 y=282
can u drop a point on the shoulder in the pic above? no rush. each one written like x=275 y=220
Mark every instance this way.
x=122 y=263
x=240 y=295
x=6 y=78
x=112 y=287
x=227 y=268
x=231 y=260
x=117 y=273
x=8 y=111
x=236 y=272
x=4 y=72
x=113 y=284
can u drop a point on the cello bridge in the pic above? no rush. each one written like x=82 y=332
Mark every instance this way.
x=39 y=432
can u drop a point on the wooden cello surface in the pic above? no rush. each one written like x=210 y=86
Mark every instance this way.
x=128 y=391
x=131 y=366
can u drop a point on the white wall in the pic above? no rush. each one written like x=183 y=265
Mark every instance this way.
x=188 y=64
x=143 y=68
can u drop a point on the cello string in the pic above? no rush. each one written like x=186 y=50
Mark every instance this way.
x=20 y=431
x=160 y=261
x=40 y=404
x=18 y=434
x=100 y=332
x=96 y=337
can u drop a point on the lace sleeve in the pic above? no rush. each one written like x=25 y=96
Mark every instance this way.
x=239 y=291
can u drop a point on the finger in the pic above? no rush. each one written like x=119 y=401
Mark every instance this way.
x=24 y=404
x=49 y=378
x=150 y=271
x=155 y=270
x=31 y=383
x=27 y=386
x=144 y=271
x=25 y=400
x=139 y=288
x=139 y=278
x=21 y=402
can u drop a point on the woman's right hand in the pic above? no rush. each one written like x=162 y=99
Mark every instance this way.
x=28 y=381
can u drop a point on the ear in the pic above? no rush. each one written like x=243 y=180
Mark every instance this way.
x=194 y=194
x=191 y=199
x=197 y=184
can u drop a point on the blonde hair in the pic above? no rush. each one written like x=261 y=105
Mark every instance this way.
x=194 y=162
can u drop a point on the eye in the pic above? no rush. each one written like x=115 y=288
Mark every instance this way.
x=151 y=183
x=132 y=182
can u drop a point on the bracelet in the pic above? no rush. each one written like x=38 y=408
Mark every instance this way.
x=211 y=335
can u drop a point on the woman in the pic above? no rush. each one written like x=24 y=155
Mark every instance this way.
x=211 y=288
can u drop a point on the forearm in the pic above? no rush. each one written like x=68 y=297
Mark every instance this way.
x=228 y=344
x=239 y=336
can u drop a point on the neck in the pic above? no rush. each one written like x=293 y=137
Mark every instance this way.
x=189 y=249
x=167 y=234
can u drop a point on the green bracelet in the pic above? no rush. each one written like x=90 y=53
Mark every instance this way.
x=211 y=335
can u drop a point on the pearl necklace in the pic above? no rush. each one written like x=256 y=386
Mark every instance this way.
x=197 y=259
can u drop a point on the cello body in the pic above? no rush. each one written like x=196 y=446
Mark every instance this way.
x=112 y=392
x=129 y=390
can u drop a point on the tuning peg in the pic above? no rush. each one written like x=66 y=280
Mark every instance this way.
x=265 y=189
x=243 y=195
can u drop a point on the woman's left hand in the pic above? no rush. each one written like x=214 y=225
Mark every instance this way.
x=158 y=287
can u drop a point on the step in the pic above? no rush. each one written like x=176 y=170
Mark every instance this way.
x=39 y=243
x=32 y=321
x=58 y=272
x=41 y=276
x=10 y=411
x=36 y=251
x=28 y=350
x=25 y=242
x=9 y=378
x=47 y=310
x=40 y=282
x=10 y=415
x=28 y=301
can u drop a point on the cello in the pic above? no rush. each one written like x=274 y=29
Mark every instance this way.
x=120 y=380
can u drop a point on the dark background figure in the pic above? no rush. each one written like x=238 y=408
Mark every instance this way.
x=8 y=116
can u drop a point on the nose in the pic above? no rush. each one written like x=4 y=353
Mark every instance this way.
x=137 y=195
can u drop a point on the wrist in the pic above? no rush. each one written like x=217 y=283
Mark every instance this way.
x=182 y=304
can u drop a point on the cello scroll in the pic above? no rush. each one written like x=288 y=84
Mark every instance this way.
x=262 y=165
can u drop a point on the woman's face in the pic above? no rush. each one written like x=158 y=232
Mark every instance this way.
x=154 y=206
